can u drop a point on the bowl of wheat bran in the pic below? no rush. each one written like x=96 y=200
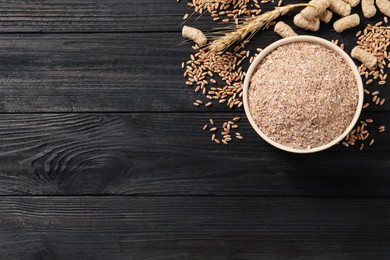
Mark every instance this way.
x=303 y=94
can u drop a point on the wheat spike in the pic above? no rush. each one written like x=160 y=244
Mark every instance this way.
x=244 y=30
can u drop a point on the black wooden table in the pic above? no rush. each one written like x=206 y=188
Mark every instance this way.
x=102 y=154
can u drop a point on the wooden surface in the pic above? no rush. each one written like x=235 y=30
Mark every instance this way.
x=102 y=154
x=194 y=228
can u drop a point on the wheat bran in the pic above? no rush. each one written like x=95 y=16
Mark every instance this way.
x=303 y=95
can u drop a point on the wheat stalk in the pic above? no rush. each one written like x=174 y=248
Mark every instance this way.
x=250 y=28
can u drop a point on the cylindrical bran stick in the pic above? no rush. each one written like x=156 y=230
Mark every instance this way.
x=364 y=57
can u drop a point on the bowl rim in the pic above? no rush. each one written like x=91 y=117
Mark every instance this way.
x=303 y=38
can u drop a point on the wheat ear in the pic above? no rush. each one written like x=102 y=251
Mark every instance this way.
x=248 y=29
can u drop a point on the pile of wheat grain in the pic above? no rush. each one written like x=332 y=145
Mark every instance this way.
x=225 y=10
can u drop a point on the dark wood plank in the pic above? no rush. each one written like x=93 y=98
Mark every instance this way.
x=91 y=16
x=98 y=16
x=106 y=16
x=169 y=154
x=104 y=72
x=193 y=228
x=92 y=72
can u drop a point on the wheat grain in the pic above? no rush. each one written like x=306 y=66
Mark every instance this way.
x=246 y=30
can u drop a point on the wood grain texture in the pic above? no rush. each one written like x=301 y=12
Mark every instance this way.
x=111 y=16
x=193 y=228
x=105 y=72
x=169 y=154
x=98 y=16
x=98 y=72
x=173 y=193
x=91 y=16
